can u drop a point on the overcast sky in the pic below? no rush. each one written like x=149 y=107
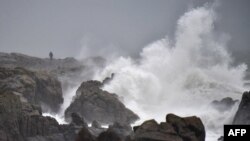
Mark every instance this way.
x=36 y=27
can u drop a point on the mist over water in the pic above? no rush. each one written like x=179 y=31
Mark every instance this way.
x=182 y=76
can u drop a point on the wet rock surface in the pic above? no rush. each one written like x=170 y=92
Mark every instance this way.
x=242 y=115
x=95 y=104
x=22 y=121
x=28 y=83
x=174 y=129
x=36 y=87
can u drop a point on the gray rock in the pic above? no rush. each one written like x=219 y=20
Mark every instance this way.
x=242 y=115
x=189 y=128
x=174 y=129
x=19 y=121
x=39 y=88
x=95 y=104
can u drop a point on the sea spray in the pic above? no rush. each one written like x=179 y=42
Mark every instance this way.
x=182 y=76
x=68 y=98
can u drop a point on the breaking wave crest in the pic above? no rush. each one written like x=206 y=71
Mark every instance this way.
x=182 y=76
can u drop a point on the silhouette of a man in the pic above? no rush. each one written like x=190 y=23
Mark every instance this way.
x=51 y=55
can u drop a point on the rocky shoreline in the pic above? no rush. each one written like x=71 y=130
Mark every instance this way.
x=30 y=86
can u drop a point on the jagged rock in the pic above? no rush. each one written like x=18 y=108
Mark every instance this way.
x=150 y=130
x=34 y=63
x=174 y=129
x=224 y=104
x=19 y=120
x=189 y=128
x=68 y=66
x=243 y=113
x=39 y=88
x=95 y=104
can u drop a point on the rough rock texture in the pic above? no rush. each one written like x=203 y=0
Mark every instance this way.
x=174 y=129
x=224 y=104
x=189 y=128
x=21 y=121
x=68 y=65
x=95 y=104
x=38 y=88
x=34 y=63
x=243 y=113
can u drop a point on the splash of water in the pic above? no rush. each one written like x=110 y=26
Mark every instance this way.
x=181 y=78
x=68 y=97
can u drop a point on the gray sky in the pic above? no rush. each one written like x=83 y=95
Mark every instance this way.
x=36 y=27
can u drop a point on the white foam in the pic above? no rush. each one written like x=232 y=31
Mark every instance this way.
x=181 y=78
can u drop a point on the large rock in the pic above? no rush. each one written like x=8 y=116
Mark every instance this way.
x=70 y=72
x=59 y=67
x=189 y=128
x=20 y=120
x=34 y=63
x=95 y=104
x=243 y=113
x=174 y=129
x=38 y=88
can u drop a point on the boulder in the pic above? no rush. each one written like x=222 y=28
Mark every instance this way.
x=20 y=120
x=93 y=103
x=243 y=113
x=188 y=128
x=174 y=129
x=39 y=88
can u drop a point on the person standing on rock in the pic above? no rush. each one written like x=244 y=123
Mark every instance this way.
x=51 y=56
